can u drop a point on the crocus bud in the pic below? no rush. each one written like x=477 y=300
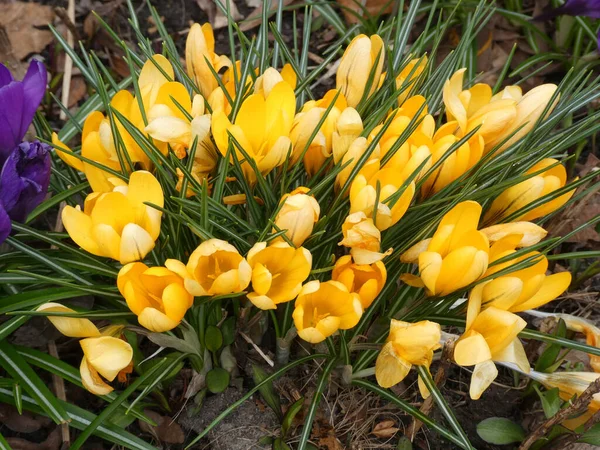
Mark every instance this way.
x=553 y=177
x=407 y=77
x=363 y=56
x=347 y=128
x=323 y=308
x=363 y=238
x=155 y=294
x=24 y=181
x=297 y=215
x=118 y=224
x=200 y=56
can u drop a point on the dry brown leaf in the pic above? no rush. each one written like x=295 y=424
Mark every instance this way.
x=330 y=442
x=77 y=90
x=165 y=430
x=52 y=442
x=385 y=429
x=255 y=17
x=216 y=18
x=352 y=8
x=22 y=22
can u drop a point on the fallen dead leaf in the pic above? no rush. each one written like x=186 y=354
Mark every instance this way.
x=255 y=17
x=20 y=423
x=215 y=16
x=77 y=91
x=385 y=429
x=22 y=22
x=353 y=11
x=330 y=442
x=52 y=442
x=166 y=430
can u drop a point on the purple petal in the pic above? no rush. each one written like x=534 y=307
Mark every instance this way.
x=5 y=225
x=11 y=111
x=34 y=87
x=588 y=8
x=5 y=75
x=24 y=179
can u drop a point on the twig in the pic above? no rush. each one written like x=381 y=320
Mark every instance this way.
x=440 y=380
x=257 y=348
x=66 y=84
x=565 y=441
x=578 y=404
x=59 y=388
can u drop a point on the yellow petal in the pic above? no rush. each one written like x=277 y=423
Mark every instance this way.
x=553 y=286
x=390 y=369
x=471 y=349
x=69 y=159
x=135 y=244
x=430 y=265
x=483 y=375
x=79 y=227
x=532 y=233
x=107 y=355
x=91 y=380
x=154 y=320
x=69 y=326
x=514 y=353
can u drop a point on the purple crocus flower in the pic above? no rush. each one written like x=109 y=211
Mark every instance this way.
x=24 y=166
x=587 y=8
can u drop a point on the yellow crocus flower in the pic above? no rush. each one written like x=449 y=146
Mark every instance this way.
x=363 y=238
x=367 y=280
x=214 y=268
x=298 y=214
x=491 y=335
x=408 y=75
x=118 y=224
x=530 y=233
x=278 y=272
x=261 y=127
x=347 y=128
x=553 y=177
x=105 y=355
x=363 y=194
x=518 y=291
x=155 y=294
x=363 y=56
x=456 y=255
x=323 y=308
x=408 y=344
x=355 y=151
x=200 y=56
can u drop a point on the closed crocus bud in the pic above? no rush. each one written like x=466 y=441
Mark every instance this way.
x=297 y=215
x=347 y=128
x=363 y=57
x=552 y=177
x=356 y=150
x=392 y=202
x=200 y=57
x=278 y=272
x=363 y=238
x=118 y=224
x=103 y=357
x=155 y=294
x=214 y=268
x=456 y=255
x=261 y=128
x=490 y=336
x=265 y=83
x=367 y=280
x=522 y=289
x=24 y=181
x=323 y=308
x=408 y=344
x=408 y=75
x=530 y=232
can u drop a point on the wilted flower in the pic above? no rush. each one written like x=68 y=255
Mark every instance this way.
x=530 y=233
x=520 y=290
x=456 y=255
x=363 y=56
x=261 y=128
x=278 y=272
x=24 y=180
x=21 y=99
x=363 y=238
x=200 y=56
x=155 y=294
x=367 y=280
x=323 y=308
x=118 y=224
x=297 y=215
x=105 y=355
x=408 y=344
x=214 y=268
x=490 y=336
x=553 y=177
x=385 y=186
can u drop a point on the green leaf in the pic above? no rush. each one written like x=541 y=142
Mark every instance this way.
x=267 y=391
x=500 y=431
x=164 y=340
x=217 y=380
x=3 y=444
x=290 y=414
x=404 y=444
x=551 y=353
x=30 y=299
x=591 y=436
x=551 y=401
x=228 y=331
x=279 y=444
x=80 y=419
x=17 y=394
x=213 y=338
x=23 y=374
